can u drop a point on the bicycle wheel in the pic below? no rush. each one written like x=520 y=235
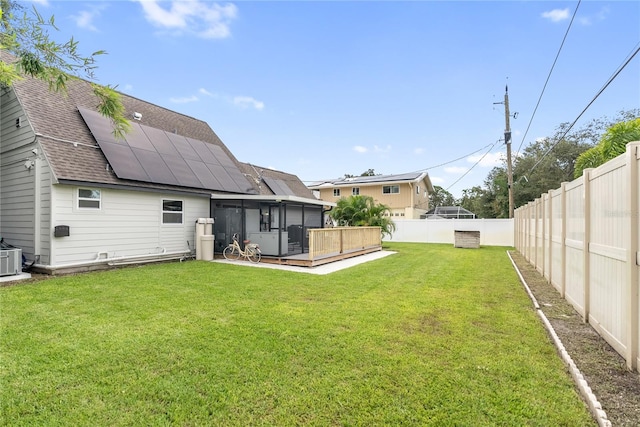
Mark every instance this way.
x=231 y=253
x=254 y=255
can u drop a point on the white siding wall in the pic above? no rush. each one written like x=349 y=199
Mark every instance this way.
x=16 y=181
x=129 y=223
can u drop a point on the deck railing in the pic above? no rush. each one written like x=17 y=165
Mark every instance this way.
x=324 y=241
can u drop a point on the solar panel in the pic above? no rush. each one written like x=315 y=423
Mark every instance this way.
x=160 y=141
x=123 y=161
x=205 y=176
x=183 y=147
x=155 y=167
x=220 y=155
x=137 y=138
x=278 y=186
x=152 y=155
x=201 y=148
x=181 y=170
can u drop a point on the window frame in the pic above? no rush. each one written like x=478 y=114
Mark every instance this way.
x=336 y=192
x=355 y=191
x=391 y=187
x=166 y=213
x=90 y=200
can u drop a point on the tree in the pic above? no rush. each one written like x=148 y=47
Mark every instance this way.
x=368 y=172
x=362 y=211
x=545 y=164
x=25 y=35
x=612 y=144
x=441 y=197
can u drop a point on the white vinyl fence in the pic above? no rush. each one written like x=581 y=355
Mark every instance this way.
x=493 y=232
x=583 y=237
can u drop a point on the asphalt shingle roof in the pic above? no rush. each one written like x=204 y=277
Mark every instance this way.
x=74 y=155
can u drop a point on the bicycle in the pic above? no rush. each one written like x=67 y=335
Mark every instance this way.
x=233 y=252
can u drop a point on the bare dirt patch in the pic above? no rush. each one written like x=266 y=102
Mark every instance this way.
x=617 y=388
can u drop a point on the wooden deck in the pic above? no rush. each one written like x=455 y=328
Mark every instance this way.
x=302 y=260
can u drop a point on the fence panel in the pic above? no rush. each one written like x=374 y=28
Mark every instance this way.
x=608 y=240
x=584 y=237
x=494 y=232
x=557 y=256
x=574 y=269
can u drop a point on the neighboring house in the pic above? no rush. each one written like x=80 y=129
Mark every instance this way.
x=450 y=212
x=407 y=195
x=74 y=197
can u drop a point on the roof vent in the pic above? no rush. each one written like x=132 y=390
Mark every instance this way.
x=137 y=116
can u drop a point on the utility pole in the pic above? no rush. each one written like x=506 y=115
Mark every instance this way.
x=507 y=140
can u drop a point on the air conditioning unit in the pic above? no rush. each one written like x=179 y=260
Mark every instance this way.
x=10 y=262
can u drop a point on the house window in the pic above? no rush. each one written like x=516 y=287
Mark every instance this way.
x=390 y=189
x=88 y=199
x=336 y=192
x=355 y=191
x=172 y=211
x=418 y=190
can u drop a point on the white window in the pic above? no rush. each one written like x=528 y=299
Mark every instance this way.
x=88 y=199
x=418 y=190
x=390 y=189
x=336 y=192
x=355 y=191
x=172 y=211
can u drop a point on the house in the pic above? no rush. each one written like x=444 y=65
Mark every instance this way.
x=74 y=197
x=407 y=195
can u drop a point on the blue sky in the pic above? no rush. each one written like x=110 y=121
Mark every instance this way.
x=324 y=88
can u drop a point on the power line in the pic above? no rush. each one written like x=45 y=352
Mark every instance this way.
x=475 y=164
x=455 y=160
x=433 y=167
x=549 y=76
x=611 y=79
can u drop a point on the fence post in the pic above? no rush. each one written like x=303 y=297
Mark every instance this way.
x=632 y=256
x=549 y=236
x=586 y=188
x=563 y=238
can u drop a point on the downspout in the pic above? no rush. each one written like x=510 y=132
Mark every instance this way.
x=37 y=208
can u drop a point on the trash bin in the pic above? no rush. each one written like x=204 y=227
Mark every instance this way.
x=201 y=224
x=206 y=248
x=208 y=228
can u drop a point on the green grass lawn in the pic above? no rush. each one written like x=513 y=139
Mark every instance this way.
x=432 y=335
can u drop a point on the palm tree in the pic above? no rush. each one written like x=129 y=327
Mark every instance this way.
x=612 y=144
x=362 y=211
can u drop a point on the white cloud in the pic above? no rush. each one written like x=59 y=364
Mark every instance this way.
x=248 y=102
x=419 y=151
x=377 y=149
x=203 y=91
x=601 y=15
x=84 y=19
x=360 y=149
x=184 y=100
x=489 y=161
x=205 y=20
x=127 y=88
x=556 y=15
x=436 y=179
x=456 y=169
